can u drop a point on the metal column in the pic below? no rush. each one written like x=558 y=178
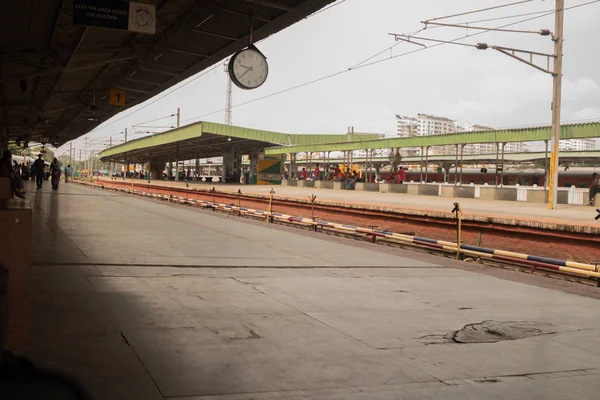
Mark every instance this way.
x=502 y=175
x=456 y=168
x=497 y=155
x=421 y=174
x=556 y=102
x=426 y=163
x=177 y=161
x=546 y=170
x=462 y=151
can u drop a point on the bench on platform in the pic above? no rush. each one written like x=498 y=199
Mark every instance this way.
x=323 y=185
x=366 y=186
x=15 y=257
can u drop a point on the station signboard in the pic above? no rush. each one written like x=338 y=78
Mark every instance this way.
x=114 y=14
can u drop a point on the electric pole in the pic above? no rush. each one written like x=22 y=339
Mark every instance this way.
x=556 y=103
x=518 y=54
x=228 y=97
x=178 y=116
x=70 y=152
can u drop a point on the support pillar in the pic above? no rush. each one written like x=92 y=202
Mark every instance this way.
x=255 y=156
x=502 y=175
x=293 y=165
x=462 y=153
x=421 y=174
x=176 y=161
x=426 y=163
x=497 y=156
x=546 y=168
x=456 y=168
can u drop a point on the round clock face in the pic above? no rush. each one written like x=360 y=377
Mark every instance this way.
x=248 y=69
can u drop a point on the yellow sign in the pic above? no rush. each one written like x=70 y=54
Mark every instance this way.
x=116 y=97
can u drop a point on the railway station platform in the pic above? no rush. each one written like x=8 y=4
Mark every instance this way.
x=565 y=214
x=569 y=232
x=141 y=299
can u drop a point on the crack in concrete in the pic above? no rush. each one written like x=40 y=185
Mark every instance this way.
x=491 y=332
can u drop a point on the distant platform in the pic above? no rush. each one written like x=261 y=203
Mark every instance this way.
x=535 y=215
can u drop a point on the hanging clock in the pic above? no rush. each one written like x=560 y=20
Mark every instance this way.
x=248 y=68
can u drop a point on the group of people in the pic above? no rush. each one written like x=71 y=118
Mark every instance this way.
x=8 y=170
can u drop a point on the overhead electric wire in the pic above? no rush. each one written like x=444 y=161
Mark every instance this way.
x=156 y=119
x=363 y=64
x=326 y=8
x=154 y=100
x=381 y=61
x=480 y=10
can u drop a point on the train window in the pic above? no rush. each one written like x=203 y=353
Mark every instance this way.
x=582 y=185
x=481 y=183
x=566 y=184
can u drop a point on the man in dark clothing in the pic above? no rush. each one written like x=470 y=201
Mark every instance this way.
x=38 y=167
x=594 y=187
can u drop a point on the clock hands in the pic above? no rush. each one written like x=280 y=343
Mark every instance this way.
x=248 y=69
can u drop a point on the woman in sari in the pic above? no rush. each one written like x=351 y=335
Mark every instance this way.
x=7 y=171
x=55 y=173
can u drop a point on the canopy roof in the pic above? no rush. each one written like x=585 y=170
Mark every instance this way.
x=575 y=131
x=208 y=139
x=53 y=71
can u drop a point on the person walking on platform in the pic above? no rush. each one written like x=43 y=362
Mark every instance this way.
x=38 y=170
x=68 y=173
x=55 y=173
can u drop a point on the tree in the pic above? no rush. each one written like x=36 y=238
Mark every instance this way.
x=19 y=150
x=47 y=154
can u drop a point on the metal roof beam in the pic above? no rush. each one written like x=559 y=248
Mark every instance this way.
x=145 y=82
x=271 y=4
x=143 y=68
x=191 y=53
x=128 y=89
x=241 y=14
x=216 y=35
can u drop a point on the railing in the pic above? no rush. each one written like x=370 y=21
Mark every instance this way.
x=578 y=196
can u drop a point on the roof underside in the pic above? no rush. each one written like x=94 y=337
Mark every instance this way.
x=51 y=70
x=208 y=139
x=576 y=131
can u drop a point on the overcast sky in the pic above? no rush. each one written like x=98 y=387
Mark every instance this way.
x=467 y=85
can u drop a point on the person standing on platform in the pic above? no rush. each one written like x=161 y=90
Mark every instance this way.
x=55 y=173
x=594 y=187
x=303 y=174
x=38 y=170
x=317 y=173
x=401 y=176
x=68 y=173
x=7 y=171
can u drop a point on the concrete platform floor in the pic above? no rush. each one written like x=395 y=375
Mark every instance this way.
x=564 y=214
x=146 y=300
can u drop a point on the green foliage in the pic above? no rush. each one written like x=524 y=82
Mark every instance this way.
x=48 y=155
